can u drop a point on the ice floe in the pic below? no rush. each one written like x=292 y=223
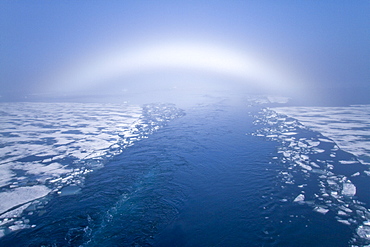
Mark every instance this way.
x=355 y=174
x=346 y=222
x=21 y=195
x=321 y=210
x=304 y=166
x=349 y=189
x=299 y=198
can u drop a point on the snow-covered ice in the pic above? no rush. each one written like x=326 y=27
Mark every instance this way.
x=21 y=195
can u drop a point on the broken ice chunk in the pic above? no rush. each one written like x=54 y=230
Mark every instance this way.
x=348 y=162
x=349 y=189
x=307 y=167
x=363 y=232
x=313 y=143
x=342 y=213
x=321 y=210
x=346 y=222
x=289 y=133
x=299 y=198
x=355 y=174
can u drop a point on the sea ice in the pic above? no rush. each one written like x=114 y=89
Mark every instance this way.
x=307 y=167
x=314 y=164
x=36 y=168
x=348 y=162
x=363 y=232
x=346 y=222
x=271 y=136
x=334 y=194
x=336 y=191
x=299 y=198
x=318 y=150
x=287 y=154
x=18 y=226
x=302 y=145
x=69 y=190
x=289 y=133
x=325 y=140
x=349 y=189
x=321 y=210
x=355 y=174
x=15 y=212
x=331 y=182
x=347 y=126
x=313 y=143
x=346 y=209
x=21 y=195
x=342 y=213
x=304 y=157
x=6 y=174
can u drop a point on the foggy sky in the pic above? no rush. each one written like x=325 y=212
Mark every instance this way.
x=326 y=43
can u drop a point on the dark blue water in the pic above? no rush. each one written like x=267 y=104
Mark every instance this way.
x=199 y=181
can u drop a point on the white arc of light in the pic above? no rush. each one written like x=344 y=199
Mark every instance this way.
x=214 y=59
